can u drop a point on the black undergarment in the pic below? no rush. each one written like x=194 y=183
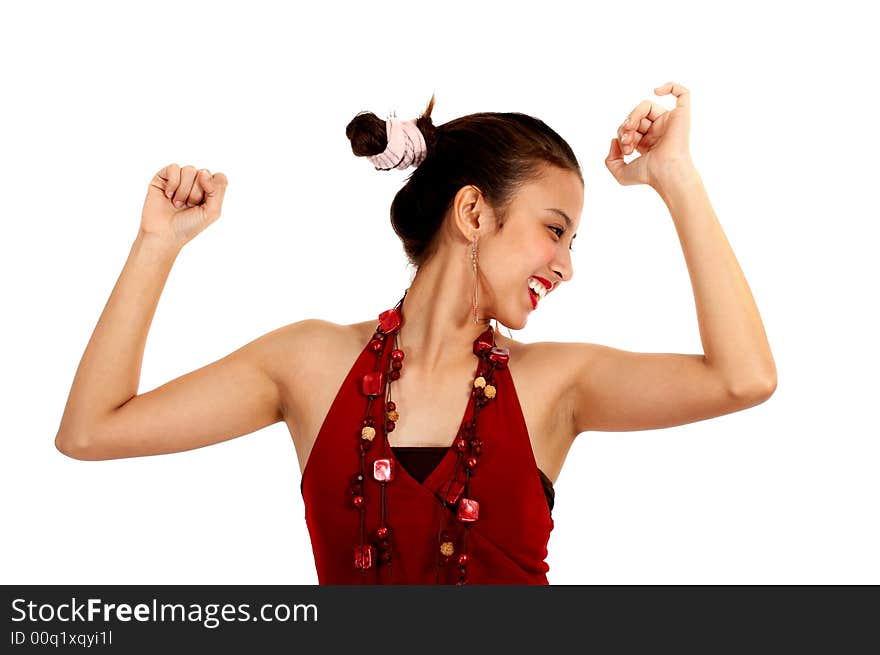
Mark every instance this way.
x=419 y=461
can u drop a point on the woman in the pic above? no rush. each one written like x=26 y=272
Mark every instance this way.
x=428 y=442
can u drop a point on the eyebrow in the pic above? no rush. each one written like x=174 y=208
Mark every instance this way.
x=564 y=215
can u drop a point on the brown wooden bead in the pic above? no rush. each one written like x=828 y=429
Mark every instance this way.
x=390 y=406
x=389 y=426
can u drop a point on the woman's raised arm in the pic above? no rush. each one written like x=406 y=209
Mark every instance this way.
x=104 y=417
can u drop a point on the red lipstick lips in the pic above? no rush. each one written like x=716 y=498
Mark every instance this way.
x=543 y=281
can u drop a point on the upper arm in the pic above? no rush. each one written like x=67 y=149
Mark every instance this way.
x=618 y=390
x=231 y=397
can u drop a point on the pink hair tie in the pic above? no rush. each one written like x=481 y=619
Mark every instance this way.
x=406 y=146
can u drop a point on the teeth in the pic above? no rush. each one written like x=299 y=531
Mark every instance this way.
x=537 y=287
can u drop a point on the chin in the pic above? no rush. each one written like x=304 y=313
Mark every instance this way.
x=515 y=322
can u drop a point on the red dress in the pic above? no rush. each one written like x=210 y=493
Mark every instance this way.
x=506 y=545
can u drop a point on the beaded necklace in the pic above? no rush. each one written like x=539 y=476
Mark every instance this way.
x=376 y=550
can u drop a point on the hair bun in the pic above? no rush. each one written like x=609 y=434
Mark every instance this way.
x=392 y=143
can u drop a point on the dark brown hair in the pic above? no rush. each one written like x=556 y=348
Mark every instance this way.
x=496 y=152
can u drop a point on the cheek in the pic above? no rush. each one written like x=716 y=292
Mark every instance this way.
x=544 y=253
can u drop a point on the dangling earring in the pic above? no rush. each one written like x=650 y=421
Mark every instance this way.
x=474 y=265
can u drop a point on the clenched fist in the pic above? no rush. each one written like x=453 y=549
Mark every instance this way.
x=181 y=202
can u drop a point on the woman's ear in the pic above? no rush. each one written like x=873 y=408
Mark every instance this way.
x=467 y=213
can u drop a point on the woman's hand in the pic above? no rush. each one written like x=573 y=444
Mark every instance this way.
x=660 y=136
x=181 y=202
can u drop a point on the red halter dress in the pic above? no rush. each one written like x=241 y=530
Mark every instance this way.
x=507 y=544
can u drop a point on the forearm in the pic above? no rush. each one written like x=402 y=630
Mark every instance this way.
x=733 y=336
x=109 y=371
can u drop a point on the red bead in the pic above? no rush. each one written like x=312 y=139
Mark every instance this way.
x=463 y=559
x=444 y=535
x=471 y=462
x=483 y=344
x=373 y=383
x=370 y=421
x=456 y=488
x=394 y=374
x=390 y=406
x=376 y=345
x=382 y=532
x=365 y=445
x=389 y=320
x=358 y=501
x=460 y=445
x=356 y=489
x=468 y=510
x=363 y=557
x=396 y=366
x=389 y=426
x=499 y=356
x=383 y=470
x=477 y=442
x=397 y=355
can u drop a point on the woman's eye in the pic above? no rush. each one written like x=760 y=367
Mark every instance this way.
x=561 y=230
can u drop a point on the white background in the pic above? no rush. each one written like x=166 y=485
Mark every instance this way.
x=97 y=97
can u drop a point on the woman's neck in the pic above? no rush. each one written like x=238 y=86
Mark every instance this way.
x=438 y=331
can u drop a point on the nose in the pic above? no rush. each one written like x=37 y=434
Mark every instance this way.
x=563 y=271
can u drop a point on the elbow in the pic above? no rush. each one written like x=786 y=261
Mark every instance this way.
x=755 y=392
x=76 y=447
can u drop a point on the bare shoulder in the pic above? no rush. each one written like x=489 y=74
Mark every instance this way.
x=304 y=351
x=539 y=358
